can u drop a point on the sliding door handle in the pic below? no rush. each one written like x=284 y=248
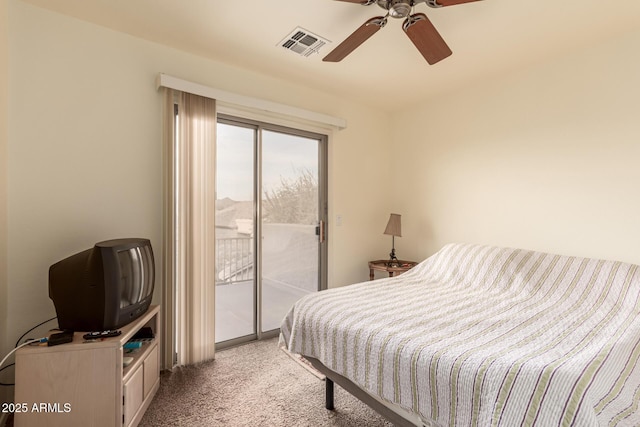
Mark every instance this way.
x=320 y=231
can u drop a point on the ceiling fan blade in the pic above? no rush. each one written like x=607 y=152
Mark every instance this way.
x=358 y=37
x=367 y=2
x=426 y=38
x=443 y=3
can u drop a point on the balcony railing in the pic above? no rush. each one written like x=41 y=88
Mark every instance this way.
x=234 y=260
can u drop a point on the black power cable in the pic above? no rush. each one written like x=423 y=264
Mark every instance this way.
x=5 y=384
x=39 y=324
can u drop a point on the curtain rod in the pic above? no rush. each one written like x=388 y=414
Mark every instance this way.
x=171 y=82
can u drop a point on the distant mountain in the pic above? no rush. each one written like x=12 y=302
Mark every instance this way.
x=228 y=210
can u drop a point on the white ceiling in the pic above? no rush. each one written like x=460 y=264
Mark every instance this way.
x=488 y=38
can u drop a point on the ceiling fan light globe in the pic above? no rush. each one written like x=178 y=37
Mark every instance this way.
x=396 y=8
x=400 y=10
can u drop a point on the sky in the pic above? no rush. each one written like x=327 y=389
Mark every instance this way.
x=283 y=157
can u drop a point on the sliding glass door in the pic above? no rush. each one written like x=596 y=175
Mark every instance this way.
x=235 y=225
x=290 y=216
x=270 y=216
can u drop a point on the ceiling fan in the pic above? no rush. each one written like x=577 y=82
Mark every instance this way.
x=417 y=27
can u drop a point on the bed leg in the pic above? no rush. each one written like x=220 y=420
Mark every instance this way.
x=328 y=394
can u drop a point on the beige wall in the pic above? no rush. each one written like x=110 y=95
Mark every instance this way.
x=546 y=159
x=4 y=82
x=84 y=158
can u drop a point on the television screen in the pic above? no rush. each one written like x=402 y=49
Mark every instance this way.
x=136 y=270
x=104 y=287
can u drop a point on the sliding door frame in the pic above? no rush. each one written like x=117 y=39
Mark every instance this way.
x=259 y=127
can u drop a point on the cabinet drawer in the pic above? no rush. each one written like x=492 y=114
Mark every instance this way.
x=133 y=395
x=151 y=370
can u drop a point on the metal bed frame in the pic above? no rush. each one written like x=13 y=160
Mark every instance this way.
x=333 y=377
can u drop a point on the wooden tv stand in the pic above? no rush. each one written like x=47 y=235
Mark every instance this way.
x=85 y=384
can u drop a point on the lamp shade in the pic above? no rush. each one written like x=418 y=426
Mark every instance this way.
x=393 y=226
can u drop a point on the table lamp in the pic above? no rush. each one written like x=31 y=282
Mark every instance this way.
x=393 y=229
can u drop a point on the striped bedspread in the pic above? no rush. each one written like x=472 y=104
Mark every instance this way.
x=486 y=336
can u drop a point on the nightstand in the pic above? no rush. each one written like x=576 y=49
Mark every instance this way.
x=383 y=265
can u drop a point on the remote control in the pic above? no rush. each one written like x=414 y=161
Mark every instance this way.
x=102 y=334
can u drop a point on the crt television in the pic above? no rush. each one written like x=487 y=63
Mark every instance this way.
x=104 y=287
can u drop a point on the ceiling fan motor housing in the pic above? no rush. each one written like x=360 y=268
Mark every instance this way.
x=396 y=8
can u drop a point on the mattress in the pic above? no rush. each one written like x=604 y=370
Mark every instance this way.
x=486 y=336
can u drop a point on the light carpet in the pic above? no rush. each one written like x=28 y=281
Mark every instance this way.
x=256 y=384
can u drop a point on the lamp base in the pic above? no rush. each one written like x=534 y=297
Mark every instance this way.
x=393 y=260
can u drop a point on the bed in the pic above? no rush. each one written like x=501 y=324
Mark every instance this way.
x=482 y=336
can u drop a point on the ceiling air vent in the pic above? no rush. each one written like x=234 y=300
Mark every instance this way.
x=303 y=42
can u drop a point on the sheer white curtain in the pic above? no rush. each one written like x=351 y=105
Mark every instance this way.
x=189 y=228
